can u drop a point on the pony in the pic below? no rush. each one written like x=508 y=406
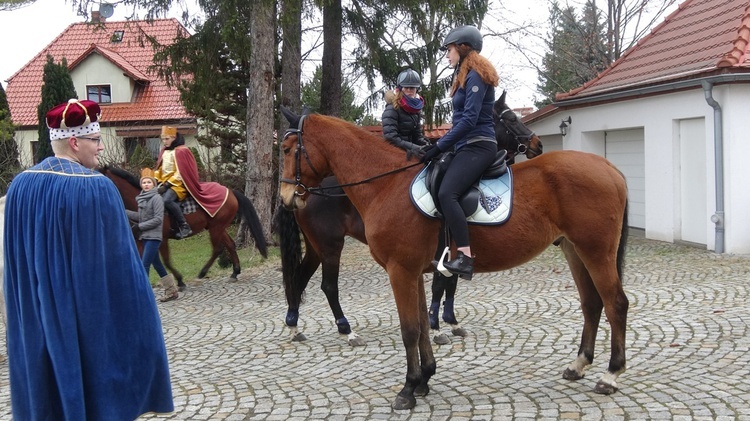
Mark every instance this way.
x=575 y=199
x=237 y=204
x=328 y=219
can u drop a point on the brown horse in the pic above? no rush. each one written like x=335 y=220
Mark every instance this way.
x=576 y=199
x=129 y=187
x=327 y=220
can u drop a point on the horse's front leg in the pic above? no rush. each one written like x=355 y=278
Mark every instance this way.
x=164 y=252
x=294 y=291
x=408 y=292
x=427 y=358
x=330 y=287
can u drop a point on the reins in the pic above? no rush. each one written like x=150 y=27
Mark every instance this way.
x=320 y=191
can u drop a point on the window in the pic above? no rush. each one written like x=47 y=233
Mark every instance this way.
x=117 y=36
x=141 y=149
x=99 y=93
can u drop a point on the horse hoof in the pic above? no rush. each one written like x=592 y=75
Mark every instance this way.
x=402 y=403
x=300 y=337
x=604 y=388
x=459 y=331
x=569 y=374
x=356 y=340
x=422 y=390
x=441 y=339
x=232 y=279
x=182 y=288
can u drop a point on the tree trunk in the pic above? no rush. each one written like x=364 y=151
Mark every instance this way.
x=291 y=54
x=291 y=65
x=330 y=88
x=259 y=182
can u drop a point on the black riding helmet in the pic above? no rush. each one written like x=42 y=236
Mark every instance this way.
x=409 y=79
x=466 y=34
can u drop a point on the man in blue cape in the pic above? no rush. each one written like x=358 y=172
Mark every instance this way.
x=84 y=335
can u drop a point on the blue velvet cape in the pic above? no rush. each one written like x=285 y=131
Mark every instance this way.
x=84 y=335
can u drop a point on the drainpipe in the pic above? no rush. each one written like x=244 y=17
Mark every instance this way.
x=718 y=217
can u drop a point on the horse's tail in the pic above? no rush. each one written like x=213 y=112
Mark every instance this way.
x=253 y=222
x=623 y=242
x=290 y=248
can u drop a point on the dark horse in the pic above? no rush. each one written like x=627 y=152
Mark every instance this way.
x=129 y=188
x=576 y=199
x=328 y=219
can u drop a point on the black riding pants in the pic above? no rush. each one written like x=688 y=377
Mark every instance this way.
x=466 y=167
x=173 y=206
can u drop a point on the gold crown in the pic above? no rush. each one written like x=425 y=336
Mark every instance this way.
x=147 y=172
x=168 y=131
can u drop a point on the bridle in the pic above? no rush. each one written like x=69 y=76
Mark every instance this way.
x=300 y=151
x=521 y=139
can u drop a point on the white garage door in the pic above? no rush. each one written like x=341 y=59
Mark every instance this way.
x=625 y=149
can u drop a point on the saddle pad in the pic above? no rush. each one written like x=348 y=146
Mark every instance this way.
x=495 y=202
x=188 y=205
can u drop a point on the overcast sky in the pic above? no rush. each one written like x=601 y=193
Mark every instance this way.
x=27 y=30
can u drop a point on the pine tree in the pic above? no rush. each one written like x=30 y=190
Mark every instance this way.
x=57 y=89
x=396 y=34
x=577 y=51
x=348 y=109
x=9 y=163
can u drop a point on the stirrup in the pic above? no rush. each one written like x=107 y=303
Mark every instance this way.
x=440 y=267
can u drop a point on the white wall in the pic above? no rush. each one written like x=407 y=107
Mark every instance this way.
x=736 y=109
x=97 y=70
x=114 y=147
x=659 y=116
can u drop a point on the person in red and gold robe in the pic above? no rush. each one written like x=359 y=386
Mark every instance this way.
x=177 y=174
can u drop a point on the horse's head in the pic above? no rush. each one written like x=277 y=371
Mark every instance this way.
x=304 y=164
x=511 y=134
x=127 y=184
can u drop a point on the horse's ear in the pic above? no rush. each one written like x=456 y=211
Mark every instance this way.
x=290 y=116
x=499 y=106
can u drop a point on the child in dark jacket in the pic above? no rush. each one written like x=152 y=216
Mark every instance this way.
x=147 y=227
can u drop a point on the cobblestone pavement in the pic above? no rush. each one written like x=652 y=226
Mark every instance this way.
x=231 y=357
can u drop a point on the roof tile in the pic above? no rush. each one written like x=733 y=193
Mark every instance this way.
x=154 y=100
x=701 y=36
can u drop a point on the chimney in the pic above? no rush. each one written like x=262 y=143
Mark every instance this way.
x=96 y=17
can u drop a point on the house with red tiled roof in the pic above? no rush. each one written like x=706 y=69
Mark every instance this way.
x=672 y=115
x=109 y=63
x=430 y=133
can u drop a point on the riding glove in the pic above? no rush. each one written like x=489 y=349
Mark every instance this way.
x=163 y=187
x=430 y=152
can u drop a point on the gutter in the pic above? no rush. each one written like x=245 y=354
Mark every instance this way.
x=718 y=217
x=661 y=88
x=707 y=84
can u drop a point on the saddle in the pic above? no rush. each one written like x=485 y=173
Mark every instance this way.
x=486 y=202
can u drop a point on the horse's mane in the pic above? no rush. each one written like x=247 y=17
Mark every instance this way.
x=341 y=126
x=126 y=175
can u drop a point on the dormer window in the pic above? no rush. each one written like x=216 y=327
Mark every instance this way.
x=101 y=94
x=117 y=36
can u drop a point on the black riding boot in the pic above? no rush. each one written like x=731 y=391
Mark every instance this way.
x=171 y=204
x=185 y=230
x=462 y=265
